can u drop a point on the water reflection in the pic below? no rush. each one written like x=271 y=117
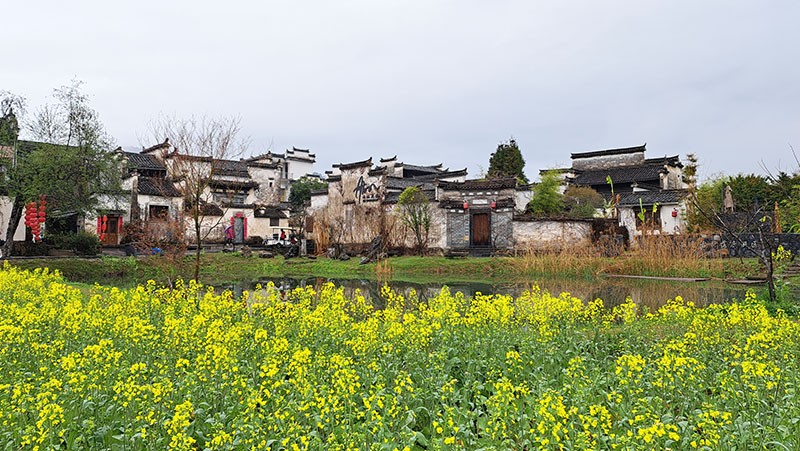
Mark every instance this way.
x=651 y=294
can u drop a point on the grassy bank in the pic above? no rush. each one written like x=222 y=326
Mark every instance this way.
x=221 y=268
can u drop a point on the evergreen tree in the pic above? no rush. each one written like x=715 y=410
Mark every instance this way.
x=9 y=126
x=507 y=161
x=301 y=190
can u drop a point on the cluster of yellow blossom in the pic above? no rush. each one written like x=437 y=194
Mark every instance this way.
x=191 y=368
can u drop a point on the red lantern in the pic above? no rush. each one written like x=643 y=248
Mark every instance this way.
x=29 y=212
x=494 y=204
x=466 y=205
x=674 y=213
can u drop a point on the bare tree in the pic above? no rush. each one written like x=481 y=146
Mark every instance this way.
x=201 y=147
x=764 y=245
x=415 y=213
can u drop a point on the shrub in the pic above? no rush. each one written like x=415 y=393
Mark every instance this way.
x=582 y=202
x=254 y=240
x=85 y=243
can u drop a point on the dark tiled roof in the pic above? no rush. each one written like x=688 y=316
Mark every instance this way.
x=319 y=191
x=211 y=210
x=154 y=186
x=231 y=168
x=398 y=183
x=293 y=153
x=428 y=170
x=386 y=160
x=456 y=203
x=164 y=145
x=232 y=184
x=357 y=164
x=602 y=153
x=269 y=212
x=625 y=174
x=142 y=161
x=652 y=197
x=443 y=175
x=258 y=164
x=263 y=156
x=672 y=161
x=479 y=185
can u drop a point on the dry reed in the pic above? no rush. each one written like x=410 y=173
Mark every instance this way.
x=665 y=256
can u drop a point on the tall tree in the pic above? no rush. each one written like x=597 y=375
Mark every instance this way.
x=9 y=123
x=201 y=147
x=547 y=198
x=300 y=198
x=415 y=213
x=70 y=162
x=507 y=161
x=301 y=188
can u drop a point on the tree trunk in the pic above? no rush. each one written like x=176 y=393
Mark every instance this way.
x=13 y=222
x=197 y=250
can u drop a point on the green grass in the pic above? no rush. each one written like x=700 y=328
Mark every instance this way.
x=221 y=268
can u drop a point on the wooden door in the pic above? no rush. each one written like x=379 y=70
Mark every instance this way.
x=480 y=230
x=111 y=235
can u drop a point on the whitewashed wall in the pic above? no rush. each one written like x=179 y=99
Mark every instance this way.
x=544 y=234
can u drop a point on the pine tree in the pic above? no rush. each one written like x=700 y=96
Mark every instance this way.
x=507 y=161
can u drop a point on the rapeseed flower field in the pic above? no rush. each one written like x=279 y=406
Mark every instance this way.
x=188 y=368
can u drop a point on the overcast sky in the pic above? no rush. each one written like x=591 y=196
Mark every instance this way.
x=432 y=81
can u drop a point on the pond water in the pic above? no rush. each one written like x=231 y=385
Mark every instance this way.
x=651 y=294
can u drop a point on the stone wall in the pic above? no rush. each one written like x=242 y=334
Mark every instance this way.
x=457 y=228
x=550 y=234
x=732 y=247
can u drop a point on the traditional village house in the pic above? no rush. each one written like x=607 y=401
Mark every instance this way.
x=479 y=214
x=356 y=206
x=275 y=173
x=649 y=187
x=248 y=194
x=485 y=217
x=148 y=195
